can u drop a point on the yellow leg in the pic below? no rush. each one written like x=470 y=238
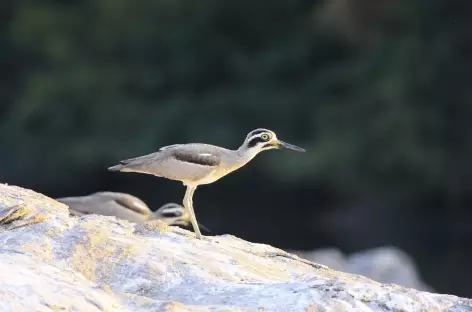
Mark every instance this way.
x=188 y=204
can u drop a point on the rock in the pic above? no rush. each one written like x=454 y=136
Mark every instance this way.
x=50 y=261
x=332 y=257
x=386 y=264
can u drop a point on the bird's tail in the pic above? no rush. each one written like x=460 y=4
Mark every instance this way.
x=116 y=168
x=124 y=164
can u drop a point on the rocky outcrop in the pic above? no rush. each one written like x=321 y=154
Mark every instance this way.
x=50 y=261
x=386 y=264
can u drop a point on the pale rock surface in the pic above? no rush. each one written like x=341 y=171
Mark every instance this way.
x=52 y=262
x=387 y=264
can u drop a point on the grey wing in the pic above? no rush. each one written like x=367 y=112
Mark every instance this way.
x=187 y=162
x=149 y=157
x=107 y=204
x=130 y=202
x=137 y=164
x=140 y=159
x=112 y=208
x=77 y=205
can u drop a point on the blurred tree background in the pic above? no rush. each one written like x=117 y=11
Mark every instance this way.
x=377 y=91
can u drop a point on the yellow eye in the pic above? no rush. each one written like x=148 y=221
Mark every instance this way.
x=265 y=137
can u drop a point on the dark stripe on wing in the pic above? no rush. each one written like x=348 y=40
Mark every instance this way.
x=126 y=161
x=198 y=159
x=133 y=204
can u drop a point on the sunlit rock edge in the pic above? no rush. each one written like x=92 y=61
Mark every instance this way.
x=50 y=261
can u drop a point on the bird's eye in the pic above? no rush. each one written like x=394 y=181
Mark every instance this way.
x=265 y=137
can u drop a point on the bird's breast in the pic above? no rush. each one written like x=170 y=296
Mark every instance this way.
x=221 y=171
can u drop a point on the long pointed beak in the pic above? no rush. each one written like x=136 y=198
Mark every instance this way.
x=284 y=145
x=186 y=224
x=202 y=227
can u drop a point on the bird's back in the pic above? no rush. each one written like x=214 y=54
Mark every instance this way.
x=189 y=163
x=120 y=205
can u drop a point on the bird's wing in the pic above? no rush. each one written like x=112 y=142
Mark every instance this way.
x=127 y=201
x=112 y=208
x=78 y=204
x=108 y=204
x=188 y=162
x=184 y=162
x=125 y=162
x=195 y=157
x=81 y=205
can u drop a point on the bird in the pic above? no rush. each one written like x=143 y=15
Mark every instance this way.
x=127 y=207
x=196 y=164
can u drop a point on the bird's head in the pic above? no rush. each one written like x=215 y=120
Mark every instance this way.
x=264 y=139
x=173 y=214
x=176 y=215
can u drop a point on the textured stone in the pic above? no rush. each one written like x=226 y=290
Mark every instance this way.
x=385 y=264
x=52 y=262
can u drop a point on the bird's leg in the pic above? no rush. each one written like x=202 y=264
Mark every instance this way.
x=188 y=204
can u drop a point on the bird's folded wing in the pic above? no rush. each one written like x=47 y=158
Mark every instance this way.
x=184 y=162
x=140 y=158
x=197 y=158
x=133 y=203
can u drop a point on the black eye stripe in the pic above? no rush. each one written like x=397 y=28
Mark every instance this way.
x=254 y=141
x=170 y=215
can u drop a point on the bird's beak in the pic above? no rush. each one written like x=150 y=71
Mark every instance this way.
x=201 y=226
x=284 y=145
x=187 y=222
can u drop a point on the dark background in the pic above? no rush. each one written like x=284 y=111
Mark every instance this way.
x=377 y=91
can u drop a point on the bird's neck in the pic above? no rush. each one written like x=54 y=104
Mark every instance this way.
x=247 y=153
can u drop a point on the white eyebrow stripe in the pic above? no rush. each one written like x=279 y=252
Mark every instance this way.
x=205 y=154
x=172 y=210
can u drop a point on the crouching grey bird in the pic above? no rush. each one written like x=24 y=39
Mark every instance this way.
x=127 y=207
x=195 y=164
